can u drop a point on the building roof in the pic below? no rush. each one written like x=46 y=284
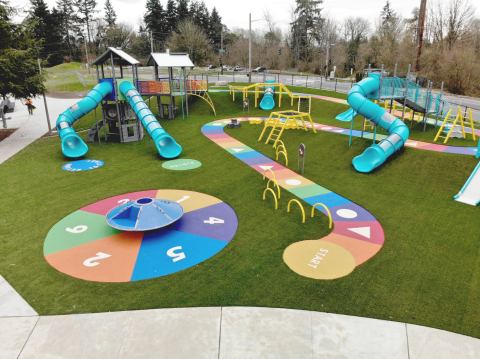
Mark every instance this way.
x=120 y=57
x=170 y=59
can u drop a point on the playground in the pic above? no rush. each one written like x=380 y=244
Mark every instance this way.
x=194 y=196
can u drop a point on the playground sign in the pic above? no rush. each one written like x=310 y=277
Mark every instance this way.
x=302 y=150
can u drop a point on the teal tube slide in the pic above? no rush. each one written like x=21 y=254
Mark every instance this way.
x=268 y=100
x=347 y=116
x=167 y=147
x=72 y=144
x=377 y=154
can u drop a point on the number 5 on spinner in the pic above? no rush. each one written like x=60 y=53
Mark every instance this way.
x=176 y=253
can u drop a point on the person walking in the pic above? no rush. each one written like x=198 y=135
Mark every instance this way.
x=30 y=106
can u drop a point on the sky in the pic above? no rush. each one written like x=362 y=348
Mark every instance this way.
x=235 y=13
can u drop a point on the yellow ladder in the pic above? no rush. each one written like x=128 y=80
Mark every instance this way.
x=458 y=121
x=277 y=131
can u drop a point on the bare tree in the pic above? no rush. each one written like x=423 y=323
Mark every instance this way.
x=460 y=15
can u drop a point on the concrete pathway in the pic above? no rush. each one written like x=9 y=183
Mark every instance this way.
x=30 y=128
x=221 y=332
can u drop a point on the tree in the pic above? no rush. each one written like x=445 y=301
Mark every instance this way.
x=460 y=16
x=18 y=47
x=155 y=20
x=86 y=10
x=355 y=32
x=190 y=38
x=68 y=25
x=182 y=10
x=120 y=36
x=110 y=14
x=305 y=28
x=215 y=28
x=171 y=16
x=46 y=27
x=200 y=15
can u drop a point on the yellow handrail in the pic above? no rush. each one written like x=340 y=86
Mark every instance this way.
x=284 y=155
x=330 y=220
x=279 y=143
x=275 y=185
x=269 y=170
x=299 y=206
x=280 y=148
x=269 y=190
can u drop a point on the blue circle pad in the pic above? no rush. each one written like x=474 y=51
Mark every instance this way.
x=82 y=165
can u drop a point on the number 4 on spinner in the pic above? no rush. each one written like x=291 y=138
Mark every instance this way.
x=214 y=220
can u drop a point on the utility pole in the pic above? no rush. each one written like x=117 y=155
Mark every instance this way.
x=151 y=41
x=420 y=30
x=221 y=52
x=86 y=51
x=45 y=101
x=250 y=48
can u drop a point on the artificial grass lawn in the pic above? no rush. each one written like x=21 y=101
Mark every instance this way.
x=427 y=272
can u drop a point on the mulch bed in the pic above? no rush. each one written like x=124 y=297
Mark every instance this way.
x=5 y=132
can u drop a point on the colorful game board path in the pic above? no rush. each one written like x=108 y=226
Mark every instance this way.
x=357 y=236
x=83 y=246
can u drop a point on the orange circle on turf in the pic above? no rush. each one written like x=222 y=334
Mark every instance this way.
x=319 y=259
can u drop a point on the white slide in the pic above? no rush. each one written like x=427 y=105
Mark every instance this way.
x=470 y=193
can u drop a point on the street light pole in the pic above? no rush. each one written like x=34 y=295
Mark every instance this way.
x=45 y=101
x=250 y=48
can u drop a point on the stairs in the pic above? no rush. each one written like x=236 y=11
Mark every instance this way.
x=92 y=135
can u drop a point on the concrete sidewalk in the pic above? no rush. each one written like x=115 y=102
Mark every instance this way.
x=30 y=128
x=220 y=332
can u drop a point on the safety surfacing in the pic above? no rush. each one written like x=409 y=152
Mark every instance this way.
x=83 y=246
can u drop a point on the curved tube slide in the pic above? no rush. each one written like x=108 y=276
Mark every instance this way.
x=268 y=100
x=377 y=154
x=72 y=144
x=167 y=147
x=347 y=116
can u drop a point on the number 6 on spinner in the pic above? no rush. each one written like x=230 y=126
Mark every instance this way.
x=77 y=229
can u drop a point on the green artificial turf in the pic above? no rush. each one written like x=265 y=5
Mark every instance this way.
x=427 y=273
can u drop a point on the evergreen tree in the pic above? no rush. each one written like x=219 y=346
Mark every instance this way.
x=46 y=28
x=305 y=28
x=86 y=10
x=171 y=16
x=215 y=28
x=110 y=14
x=19 y=52
x=69 y=25
x=387 y=13
x=155 y=20
x=200 y=15
x=182 y=10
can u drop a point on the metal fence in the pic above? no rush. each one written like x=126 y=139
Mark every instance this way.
x=308 y=81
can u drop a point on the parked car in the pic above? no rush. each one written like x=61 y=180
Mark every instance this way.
x=238 y=68
x=211 y=67
x=7 y=105
x=259 y=69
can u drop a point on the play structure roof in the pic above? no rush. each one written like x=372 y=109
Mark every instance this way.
x=169 y=59
x=120 y=57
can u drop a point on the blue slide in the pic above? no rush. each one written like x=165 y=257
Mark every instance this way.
x=347 y=116
x=377 y=154
x=167 y=147
x=72 y=144
x=268 y=100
